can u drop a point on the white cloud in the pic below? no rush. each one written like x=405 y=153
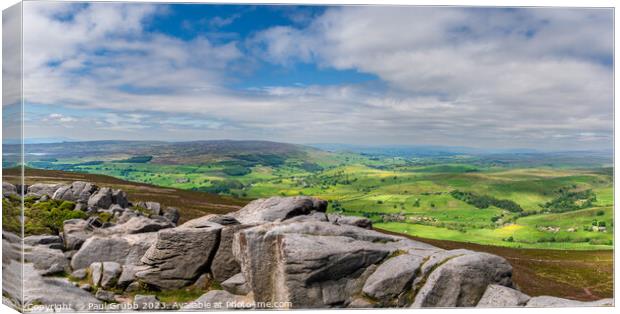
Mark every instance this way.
x=481 y=73
x=57 y=117
x=532 y=77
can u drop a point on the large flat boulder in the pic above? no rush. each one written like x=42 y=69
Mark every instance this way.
x=278 y=209
x=123 y=249
x=179 y=255
x=461 y=279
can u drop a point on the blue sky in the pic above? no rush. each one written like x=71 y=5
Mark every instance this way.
x=494 y=78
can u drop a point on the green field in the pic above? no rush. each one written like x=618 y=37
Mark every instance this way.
x=550 y=204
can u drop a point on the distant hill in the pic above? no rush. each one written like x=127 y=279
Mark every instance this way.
x=161 y=152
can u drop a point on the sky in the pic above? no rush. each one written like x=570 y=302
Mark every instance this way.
x=374 y=75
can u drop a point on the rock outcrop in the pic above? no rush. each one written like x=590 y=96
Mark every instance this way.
x=281 y=250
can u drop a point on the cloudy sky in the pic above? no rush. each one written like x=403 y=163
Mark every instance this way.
x=490 y=78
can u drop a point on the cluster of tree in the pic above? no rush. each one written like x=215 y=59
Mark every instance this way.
x=137 y=160
x=310 y=166
x=221 y=187
x=484 y=201
x=236 y=170
x=568 y=200
x=269 y=160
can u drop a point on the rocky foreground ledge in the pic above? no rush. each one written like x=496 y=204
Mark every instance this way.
x=280 y=252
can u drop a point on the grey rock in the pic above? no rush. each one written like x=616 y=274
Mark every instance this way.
x=75 y=232
x=208 y=220
x=11 y=237
x=217 y=299
x=278 y=209
x=203 y=282
x=313 y=216
x=236 y=285
x=361 y=222
x=461 y=280
x=47 y=261
x=116 y=210
x=55 y=246
x=126 y=215
x=119 y=197
x=500 y=296
x=105 y=295
x=105 y=274
x=101 y=198
x=80 y=207
x=361 y=303
x=179 y=256
x=123 y=249
x=41 y=189
x=127 y=276
x=134 y=286
x=42 y=240
x=140 y=224
x=153 y=207
x=301 y=262
x=53 y=291
x=393 y=277
x=69 y=254
x=172 y=213
x=224 y=264
x=78 y=191
x=547 y=301
x=8 y=189
x=147 y=302
x=79 y=274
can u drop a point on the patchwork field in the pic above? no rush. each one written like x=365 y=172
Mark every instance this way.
x=520 y=200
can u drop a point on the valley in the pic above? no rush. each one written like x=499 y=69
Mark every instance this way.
x=560 y=201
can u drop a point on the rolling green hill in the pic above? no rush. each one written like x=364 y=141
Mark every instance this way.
x=521 y=200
